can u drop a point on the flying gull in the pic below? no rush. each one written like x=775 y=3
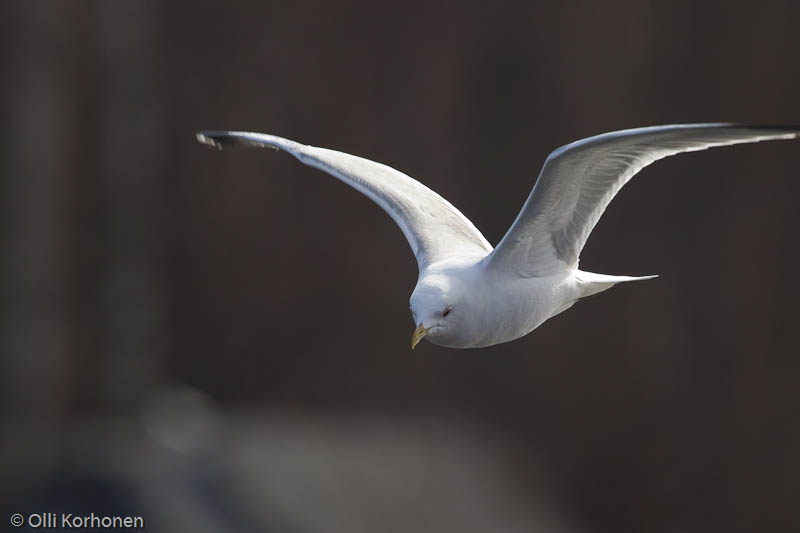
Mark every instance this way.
x=470 y=295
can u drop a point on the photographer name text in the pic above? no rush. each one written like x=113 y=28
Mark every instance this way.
x=73 y=521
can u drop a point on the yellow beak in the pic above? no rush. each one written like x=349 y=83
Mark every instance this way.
x=418 y=334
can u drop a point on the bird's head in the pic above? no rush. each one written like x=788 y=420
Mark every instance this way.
x=437 y=310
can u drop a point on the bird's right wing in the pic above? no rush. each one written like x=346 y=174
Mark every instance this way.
x=433 y=227
x=579 y=180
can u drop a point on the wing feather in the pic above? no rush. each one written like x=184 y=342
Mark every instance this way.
x=435 y=229
x=579 y=180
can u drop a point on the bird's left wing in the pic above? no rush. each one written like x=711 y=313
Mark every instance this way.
x=433 y=227
x=579 y=180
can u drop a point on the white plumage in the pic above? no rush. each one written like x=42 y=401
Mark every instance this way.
x=469 y=295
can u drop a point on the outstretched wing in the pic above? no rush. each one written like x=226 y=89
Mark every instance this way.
x=579 y=180
x=433 y=227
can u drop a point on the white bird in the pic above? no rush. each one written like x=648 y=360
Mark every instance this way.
x=469 y=295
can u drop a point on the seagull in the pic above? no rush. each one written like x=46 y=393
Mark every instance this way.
x=470 y=295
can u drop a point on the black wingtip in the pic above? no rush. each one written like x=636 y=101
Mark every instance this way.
x=226 y=139
x=215 y=139
x=786 y=128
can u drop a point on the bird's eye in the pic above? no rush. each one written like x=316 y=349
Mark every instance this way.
x=447 y=310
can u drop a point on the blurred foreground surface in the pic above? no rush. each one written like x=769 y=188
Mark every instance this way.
x=184 y=465
x=218 y=341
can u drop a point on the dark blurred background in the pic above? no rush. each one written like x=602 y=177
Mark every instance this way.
x=219 y=341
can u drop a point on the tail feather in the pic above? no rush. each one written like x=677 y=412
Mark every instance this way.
x=594 y=283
